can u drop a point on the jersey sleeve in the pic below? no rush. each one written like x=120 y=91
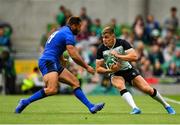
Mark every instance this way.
x=70 y=40
x=99 y=53
x=126 y=45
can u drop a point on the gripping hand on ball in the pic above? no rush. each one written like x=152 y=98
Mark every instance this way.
x=114 y=53
x=115 y=67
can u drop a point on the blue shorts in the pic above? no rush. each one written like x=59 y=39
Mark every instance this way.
x=47 y=66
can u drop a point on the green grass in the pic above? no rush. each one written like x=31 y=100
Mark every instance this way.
x=67 y=109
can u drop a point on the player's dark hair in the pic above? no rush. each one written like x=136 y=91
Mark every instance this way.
x=109 y=30
x=74 y=20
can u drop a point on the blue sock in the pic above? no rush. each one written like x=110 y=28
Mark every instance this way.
x=80 y=95
x=36 y=96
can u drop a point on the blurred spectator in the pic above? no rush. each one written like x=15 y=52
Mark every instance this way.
x=171 y=22
x=142 y=54
x=97 y=27
x=131 y=39
x=146 y=69
x=67 y=14
x=139 y=29
x=170 y=37
x=125 y=34
x=154 y=36
x=117 y=29
x=8 y=30
x=151 y=25
x=139 y=47
x=84 y=33
x=160 y=42
x=33 y=82
x=93 y=39
x=60 y=17
x=156 y=55
x=157 y=70
x=83 y=15
x=176 y=58
x=168 y=53
x=172 y=70
x=10 y=74
x=92 y=56
x=4 y=40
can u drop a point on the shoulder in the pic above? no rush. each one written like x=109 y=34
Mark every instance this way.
x=65 y=29
x=124 y=43
x=101 y=47
x=120 y=41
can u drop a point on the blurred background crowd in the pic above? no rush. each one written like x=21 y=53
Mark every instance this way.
x=157 y=44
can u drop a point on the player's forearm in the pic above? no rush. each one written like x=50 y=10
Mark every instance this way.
x=73 y=52
x=78 y=59
x=128 y=57
x=102 y=70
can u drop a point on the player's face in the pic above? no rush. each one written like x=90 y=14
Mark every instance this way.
x=108 y=39
x=76 y=29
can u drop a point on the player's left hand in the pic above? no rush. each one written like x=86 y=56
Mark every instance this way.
x=114 y=53
x=90 y=70
x=115 y=67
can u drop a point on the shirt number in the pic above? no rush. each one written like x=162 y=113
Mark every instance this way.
x=51 y=37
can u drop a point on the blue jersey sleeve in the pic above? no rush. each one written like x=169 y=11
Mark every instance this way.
x=70 y=40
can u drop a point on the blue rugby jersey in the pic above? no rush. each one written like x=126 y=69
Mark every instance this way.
x=56 y=43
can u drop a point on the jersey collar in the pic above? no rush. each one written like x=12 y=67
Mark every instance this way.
x=69 y=27
x=113 y=45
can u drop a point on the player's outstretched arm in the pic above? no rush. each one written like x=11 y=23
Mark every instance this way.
x=130 y=55
x=73 y=52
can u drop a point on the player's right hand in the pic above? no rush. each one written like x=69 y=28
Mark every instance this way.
x=90 y=70
x=115 y=67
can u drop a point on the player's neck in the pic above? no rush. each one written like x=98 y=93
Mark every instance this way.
x=113 y=44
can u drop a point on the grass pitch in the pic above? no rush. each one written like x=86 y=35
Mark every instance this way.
x=67 y=109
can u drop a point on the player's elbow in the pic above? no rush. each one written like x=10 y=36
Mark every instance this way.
x=134 y=57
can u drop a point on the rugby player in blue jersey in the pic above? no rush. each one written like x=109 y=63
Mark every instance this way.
x=52 y=70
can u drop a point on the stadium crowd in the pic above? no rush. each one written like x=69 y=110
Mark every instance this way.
x=6 y=60
x=158 y=45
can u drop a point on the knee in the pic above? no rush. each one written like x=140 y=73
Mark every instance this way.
x=119 y=87
x=52 y=91
x=76 y=84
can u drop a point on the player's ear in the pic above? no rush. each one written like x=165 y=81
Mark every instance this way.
x=73 y=26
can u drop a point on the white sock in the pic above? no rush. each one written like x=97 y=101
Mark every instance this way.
x=160 y=99
x=129 y=99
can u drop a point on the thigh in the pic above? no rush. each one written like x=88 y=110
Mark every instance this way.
x=130 y=74
x=67 y=77
x=142 y=85
x=47 y=66
x=118 y=82
x=51 y=80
